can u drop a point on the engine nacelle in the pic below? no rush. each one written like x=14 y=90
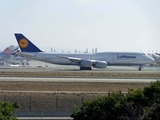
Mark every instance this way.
x=100 y=64
x=86 y=63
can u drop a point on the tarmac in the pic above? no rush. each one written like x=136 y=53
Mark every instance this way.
x=37 y=66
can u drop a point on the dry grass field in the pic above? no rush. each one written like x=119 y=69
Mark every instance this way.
x=70 y=86
x=100 y=74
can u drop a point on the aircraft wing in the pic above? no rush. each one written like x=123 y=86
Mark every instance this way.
x=87 y=62
x=74 y=59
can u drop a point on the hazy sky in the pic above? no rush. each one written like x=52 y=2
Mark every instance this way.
x=109 y=25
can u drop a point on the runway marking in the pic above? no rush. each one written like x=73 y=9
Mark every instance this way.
x=33 y=79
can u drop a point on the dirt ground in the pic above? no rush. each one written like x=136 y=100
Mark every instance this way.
x=70 y=86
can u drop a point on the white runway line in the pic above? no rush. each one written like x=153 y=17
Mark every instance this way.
x=34 y=79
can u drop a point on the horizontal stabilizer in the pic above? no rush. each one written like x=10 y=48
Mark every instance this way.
x=25 y=54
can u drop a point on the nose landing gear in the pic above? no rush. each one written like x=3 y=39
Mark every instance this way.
x=140 y=68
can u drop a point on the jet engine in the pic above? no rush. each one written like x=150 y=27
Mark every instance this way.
x=100 y=64
x=86 y=63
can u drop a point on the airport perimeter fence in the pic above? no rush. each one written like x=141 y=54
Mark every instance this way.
x=47 y=104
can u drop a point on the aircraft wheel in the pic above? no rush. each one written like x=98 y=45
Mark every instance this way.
x=81 y=68
x=85 y=68
x=90 y=68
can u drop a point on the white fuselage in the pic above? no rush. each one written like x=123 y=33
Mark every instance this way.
x=112 y=58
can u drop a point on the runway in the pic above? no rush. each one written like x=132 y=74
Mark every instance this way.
x=35 y=79
x=58 y=73
x=110 y=69
x=38 y=66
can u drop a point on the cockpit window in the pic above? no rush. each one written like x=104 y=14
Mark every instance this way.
x=143 y=54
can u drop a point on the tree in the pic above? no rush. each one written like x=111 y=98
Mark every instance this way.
x=7 y=109
x=141 y=104
x=152 y=94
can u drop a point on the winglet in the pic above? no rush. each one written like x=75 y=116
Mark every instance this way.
x=26 y=45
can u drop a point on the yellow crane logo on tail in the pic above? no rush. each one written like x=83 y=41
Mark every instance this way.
x=23 y=43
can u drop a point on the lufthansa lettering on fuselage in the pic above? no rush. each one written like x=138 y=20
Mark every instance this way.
x=126 y=56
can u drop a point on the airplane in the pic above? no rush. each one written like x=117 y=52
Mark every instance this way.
x=8 y=52
x=157 y=54
x=156 y=57
x=9 y=55
x=6 y=55
x=84 y=60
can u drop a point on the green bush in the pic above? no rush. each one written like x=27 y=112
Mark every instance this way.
x=141 y=104
x=7 y=109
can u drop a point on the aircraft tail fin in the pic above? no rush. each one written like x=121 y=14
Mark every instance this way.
x=8 y=51
x=25 y=44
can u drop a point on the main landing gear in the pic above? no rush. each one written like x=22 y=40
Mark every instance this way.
x=140 y=68
x=85 y=68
